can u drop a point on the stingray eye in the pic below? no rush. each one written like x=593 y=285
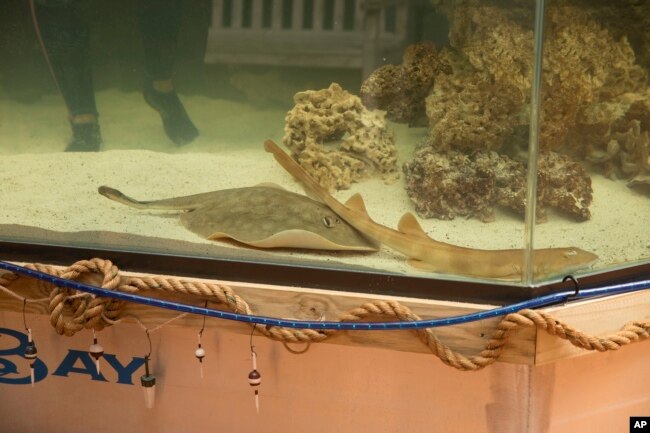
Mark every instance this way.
x=329 y=221
x=570 y=253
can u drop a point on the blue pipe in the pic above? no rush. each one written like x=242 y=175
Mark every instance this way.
x=554 y=298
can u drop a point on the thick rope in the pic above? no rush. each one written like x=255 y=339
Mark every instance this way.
x=71 y=311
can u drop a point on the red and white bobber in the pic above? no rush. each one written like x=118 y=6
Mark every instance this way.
x=254 y=380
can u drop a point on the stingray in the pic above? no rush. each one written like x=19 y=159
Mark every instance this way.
x=262 y=216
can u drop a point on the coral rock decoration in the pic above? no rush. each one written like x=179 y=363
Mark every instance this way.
x=471 y=112
x=447 y=184
x=583 y=64
x=337 y=140
x=400 y=90
x=614 y=136
x=595 y=108
x=563 y=184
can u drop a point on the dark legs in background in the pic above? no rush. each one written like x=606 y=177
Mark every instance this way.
x=159 y=22
x=65 y=36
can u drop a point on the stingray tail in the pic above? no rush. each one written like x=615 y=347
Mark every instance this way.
x=165 y=204
x=119 y=197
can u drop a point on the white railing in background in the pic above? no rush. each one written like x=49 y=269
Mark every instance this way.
x=356 y=34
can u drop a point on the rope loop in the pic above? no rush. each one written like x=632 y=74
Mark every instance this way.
x=71 y=310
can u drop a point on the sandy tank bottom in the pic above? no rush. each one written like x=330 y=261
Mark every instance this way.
x=45 y=188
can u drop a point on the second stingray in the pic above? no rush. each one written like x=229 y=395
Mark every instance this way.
x=263 y=216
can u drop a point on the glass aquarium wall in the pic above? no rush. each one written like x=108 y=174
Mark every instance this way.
x=392 y=137
x=594 y=160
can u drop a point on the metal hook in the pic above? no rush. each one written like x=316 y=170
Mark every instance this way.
x=576 y=285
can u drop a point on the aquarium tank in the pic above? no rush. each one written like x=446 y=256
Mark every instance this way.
x=491 y=141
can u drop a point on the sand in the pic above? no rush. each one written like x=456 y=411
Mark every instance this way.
x=45 y=188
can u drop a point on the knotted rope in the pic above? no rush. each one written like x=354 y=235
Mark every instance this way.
x=71 y=311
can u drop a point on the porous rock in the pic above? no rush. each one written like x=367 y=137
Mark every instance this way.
x=337 y=140
x=447 y=184
x=400 y=90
